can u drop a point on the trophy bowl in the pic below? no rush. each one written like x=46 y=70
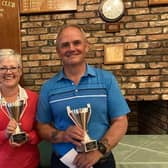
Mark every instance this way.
x=15 y=111
x=81 y=117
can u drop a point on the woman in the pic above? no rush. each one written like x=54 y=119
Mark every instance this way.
x=18 y=151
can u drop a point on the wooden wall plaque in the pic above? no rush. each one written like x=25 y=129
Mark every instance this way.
x=10 y=25
x=112 y=27
x=157 y=2
x=113 y=54
x=42 y=6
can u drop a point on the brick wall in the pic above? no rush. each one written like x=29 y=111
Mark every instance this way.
x=143 y=31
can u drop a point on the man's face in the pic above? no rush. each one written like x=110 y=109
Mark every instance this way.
x=72 y=46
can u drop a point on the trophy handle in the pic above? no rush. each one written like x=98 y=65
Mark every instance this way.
x=71 y=116
x=89 y=109
x=18 y=129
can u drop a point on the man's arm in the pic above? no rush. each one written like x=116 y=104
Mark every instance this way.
x=73 y=134
x=116 y=131
x=48 y=132
x=111 y=138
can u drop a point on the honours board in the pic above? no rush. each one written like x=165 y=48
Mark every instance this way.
x=42 y=6
x=10 y=25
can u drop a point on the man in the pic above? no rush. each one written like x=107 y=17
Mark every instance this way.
x=77 y=85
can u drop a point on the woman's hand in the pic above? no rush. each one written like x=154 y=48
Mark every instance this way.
x=11 y=127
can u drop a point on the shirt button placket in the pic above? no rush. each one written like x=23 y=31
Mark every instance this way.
x=75 y=89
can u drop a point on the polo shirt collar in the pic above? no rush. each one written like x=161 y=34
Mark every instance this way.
x=89 y=71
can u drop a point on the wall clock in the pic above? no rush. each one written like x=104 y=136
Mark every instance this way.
x=111 y=10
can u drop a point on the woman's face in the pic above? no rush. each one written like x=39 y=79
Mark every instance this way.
x=10 y=72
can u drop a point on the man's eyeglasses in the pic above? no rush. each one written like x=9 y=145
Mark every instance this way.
x=11 y=69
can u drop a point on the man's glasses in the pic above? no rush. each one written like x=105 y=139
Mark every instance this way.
x=11 y=69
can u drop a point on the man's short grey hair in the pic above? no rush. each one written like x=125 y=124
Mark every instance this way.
x=67 y=26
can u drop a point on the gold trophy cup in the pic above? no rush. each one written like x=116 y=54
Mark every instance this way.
x=15 y=111
x=81 y=117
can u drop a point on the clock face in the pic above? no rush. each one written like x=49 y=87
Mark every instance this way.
x=111 y=10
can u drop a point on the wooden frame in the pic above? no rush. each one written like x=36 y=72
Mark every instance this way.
x=112 y=27
x=10 y=25
x=113 y=53
x=157 y=2
x=43 y=6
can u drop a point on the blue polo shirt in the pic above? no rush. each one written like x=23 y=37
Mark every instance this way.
x=97 y=87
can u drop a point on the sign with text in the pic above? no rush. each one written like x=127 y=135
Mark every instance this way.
x=41 y=6
x=10 y=24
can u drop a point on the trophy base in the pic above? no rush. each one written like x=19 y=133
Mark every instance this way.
x=88 y=146
x=19 y=137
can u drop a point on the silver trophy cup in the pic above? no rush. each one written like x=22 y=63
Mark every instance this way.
x=15 y=111
x=81 y=117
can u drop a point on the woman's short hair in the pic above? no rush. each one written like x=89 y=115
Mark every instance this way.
x=7 y=52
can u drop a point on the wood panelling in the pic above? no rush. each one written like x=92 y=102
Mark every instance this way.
x=9 y=25
x=41 y=6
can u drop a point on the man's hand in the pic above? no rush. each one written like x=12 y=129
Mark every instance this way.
x=87 y=159
x=74 y=135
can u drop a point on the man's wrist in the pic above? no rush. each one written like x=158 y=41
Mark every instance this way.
x=56 y=136
x=102 y=148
